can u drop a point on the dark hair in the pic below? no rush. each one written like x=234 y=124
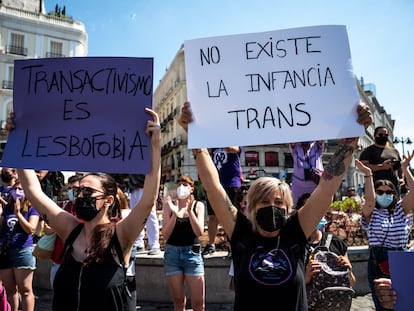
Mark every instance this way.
x=302 y=200
x=238 y=197
x=385 y=182
x=74 y=178
x=379 y=128
x=103 y=233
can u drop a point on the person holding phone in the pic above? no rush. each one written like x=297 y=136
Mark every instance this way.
x=383 y=160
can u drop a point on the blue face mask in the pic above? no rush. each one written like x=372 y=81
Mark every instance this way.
x=71 y=196
x=384 y=200
x=321 y=223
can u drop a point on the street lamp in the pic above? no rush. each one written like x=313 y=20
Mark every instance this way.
x=403 y=141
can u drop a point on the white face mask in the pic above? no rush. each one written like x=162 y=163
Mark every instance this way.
x=183 y=192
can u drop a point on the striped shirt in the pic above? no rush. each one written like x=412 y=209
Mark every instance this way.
x=387 y=229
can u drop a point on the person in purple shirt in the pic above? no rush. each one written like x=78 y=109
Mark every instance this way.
x=18 y=221
x=227 y=162
x=307 y=160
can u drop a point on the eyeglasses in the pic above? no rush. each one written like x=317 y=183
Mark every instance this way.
x=381 y=192
x=382 y=135
x=87 y=191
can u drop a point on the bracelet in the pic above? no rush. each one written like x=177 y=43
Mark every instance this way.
x=368 y=176
x=198 y=151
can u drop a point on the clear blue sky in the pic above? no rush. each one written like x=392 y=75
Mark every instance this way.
x=381 y=34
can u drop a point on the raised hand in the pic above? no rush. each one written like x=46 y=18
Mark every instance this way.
x=186 y=116
x=364 y=115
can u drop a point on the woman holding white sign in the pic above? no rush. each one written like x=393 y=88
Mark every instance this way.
x=98 y=241
x=268 y=247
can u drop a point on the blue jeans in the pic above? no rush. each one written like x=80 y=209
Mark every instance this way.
x=185 y=260
x=22 y=258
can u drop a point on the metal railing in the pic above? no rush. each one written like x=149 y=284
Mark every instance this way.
x=18 y=50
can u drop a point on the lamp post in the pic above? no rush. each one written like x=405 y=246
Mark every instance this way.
x=403 y=141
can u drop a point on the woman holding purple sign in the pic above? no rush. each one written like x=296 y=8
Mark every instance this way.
x=98 y=240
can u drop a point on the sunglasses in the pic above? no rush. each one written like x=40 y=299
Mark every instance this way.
x=381 y=192
x=87 y=191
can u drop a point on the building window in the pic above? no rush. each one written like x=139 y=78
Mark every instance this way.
x=288 y=160
x=8 y=82
x=56 y=49
x=271 y=158
x=180 y=159
x=16 y=45
x=251 y=158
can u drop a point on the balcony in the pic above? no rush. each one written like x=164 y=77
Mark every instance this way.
x=54 y=55
x=17 y=50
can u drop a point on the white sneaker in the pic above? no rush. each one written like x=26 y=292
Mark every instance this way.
x=154 y=251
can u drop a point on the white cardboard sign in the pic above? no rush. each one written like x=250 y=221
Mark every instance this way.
x=271 y=87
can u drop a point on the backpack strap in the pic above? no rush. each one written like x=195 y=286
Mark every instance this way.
x=328 y=240
x=71 y=238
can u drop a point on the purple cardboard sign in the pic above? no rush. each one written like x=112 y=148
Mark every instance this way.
x=81 y=114
x=402 y=276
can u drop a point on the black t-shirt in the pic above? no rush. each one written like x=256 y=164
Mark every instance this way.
x=377 y=155
x=269 y=271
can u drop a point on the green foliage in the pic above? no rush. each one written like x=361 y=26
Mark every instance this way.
x=347 y=205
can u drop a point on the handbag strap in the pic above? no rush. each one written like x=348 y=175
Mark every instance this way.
x=118 y=250
x=120 y=254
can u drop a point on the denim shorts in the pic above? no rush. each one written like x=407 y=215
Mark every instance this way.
x=183 y=260
x=22 y=258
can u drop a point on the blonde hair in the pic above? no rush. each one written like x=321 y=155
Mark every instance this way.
x=263 y=187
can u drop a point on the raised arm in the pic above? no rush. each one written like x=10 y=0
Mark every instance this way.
x=408 y=201
x=61 y=221
x=129 y=228
x=224 y=210
x=369 y=204
x=316 y=206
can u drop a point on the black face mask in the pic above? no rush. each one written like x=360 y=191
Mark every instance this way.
x=85 y=208
x=6 y=177
x=381 y=140
x=271 y=218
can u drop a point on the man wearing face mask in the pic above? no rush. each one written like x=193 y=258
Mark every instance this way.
x=383 y=160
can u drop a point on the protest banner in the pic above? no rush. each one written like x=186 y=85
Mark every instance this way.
x=81 y=114
x=402 y=276
x=271 y=87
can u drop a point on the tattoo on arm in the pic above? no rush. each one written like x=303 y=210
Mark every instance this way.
x=232 y=208
x=198 y=151
x=336 y=165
